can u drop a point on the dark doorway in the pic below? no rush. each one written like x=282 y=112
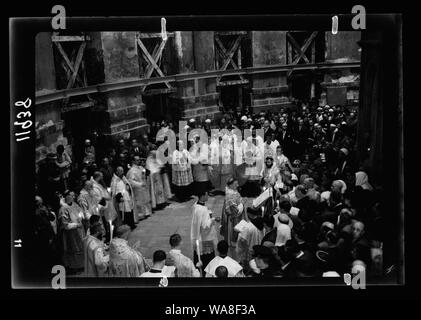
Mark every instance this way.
x=300 y=86
x=233 y=97
x=159 y=107
x=79 y=125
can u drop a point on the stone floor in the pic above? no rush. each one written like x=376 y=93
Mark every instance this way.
x=154 y=232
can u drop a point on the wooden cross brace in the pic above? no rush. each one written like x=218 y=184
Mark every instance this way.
x=152 y=60
x=72 y=67
x=301 y=50
x=228 y=55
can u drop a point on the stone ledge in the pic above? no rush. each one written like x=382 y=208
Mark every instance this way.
x=272 y=107
x=141 y=129
x=129 y=112
x=201 y=112
x=280 y=89
x=127 y=125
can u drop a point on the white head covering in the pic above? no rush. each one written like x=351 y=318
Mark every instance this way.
x=283 y=234
x=244 y=118
x=361 y=179
x=358 y=266
x=192 y=120
x=208 y=120
x=344 y=151
x=343 y=185
x=328 y=225
x=294 y=177
x=331 y=274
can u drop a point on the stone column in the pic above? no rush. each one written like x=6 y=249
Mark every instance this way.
x=269 y=90
x=195 y=53
x=339 y=85
x=124 y=108
x=48 y=125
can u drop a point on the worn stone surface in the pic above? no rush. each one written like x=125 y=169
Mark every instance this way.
x=45 y=78
x=343 y=46
x=120 y=56
x=183 y=43
x=269 y=47
x=204 y=51
x=94 y=59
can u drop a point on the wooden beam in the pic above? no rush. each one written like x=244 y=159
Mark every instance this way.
x=303 y=50
x=152 y=60
x=57 y=38
x=228 y=55
x=69 y=64
x=232 y=82
x=77 y=64
x=42 y=97
x=297 y=47
x=154 y=35
x=229 y=33
x=151 y=92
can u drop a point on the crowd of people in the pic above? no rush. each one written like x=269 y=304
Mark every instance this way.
x=314 y=212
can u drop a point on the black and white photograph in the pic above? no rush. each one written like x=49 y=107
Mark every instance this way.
x=176 y=150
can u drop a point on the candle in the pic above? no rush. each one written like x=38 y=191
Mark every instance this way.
x=111 y=229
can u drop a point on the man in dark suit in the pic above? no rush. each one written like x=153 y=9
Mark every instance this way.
x=135 y=149
x=301 y=135
x=285 y=139
x=267 y=130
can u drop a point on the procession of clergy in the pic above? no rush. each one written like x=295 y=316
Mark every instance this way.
x=305 y=218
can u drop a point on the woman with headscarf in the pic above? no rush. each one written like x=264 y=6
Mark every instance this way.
x=160 y=188
x=232 y=212
x=361 y=179
x=71 y=232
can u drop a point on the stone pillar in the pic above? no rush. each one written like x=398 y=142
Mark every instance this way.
x=269 y=90
x=195 y=53
x=124 y=108
x=48 y=125
x=342 y=84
